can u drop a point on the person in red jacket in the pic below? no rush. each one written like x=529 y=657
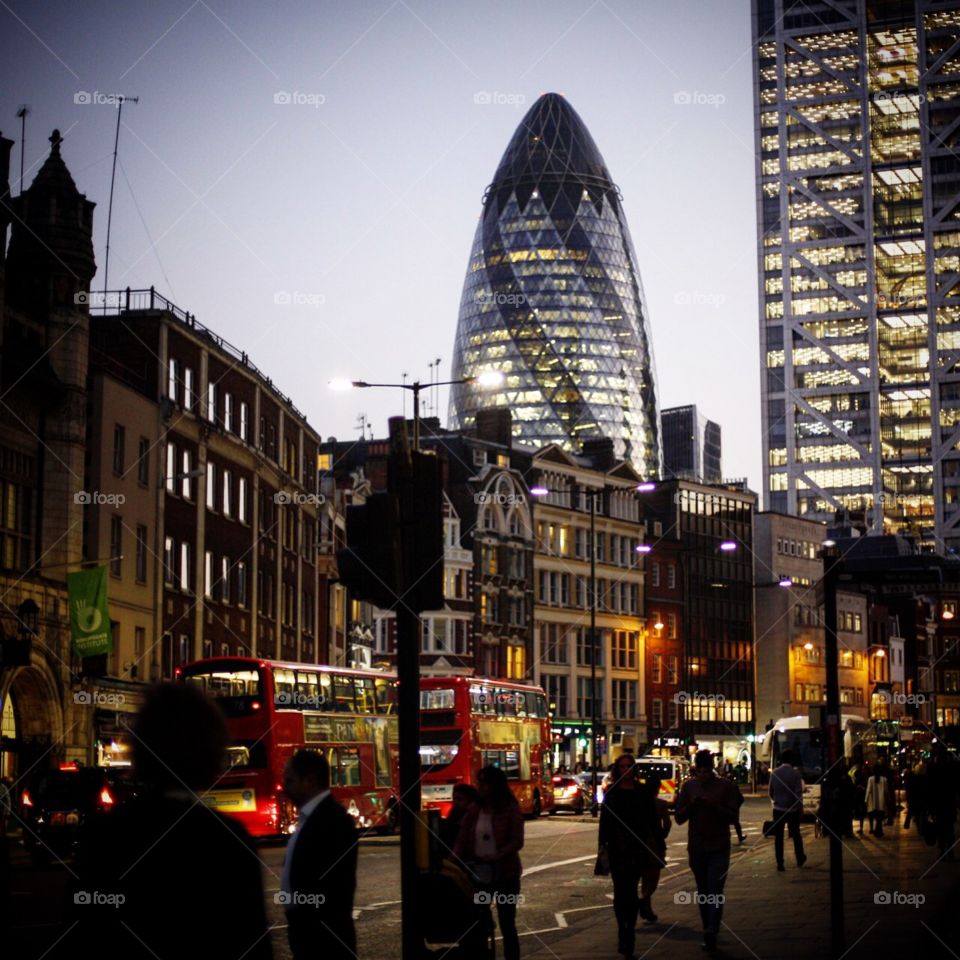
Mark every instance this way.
x=489 y=842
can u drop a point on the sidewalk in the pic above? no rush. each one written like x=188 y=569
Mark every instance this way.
x=782 y=916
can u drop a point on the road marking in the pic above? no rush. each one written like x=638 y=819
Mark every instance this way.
x=558 y=863
x=561 y=920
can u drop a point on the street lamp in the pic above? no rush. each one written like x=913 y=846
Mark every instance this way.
x=488 y=379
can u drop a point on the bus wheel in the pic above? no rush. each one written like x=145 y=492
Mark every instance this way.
x=537 y=810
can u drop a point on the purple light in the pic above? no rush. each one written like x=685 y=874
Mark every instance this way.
x=646 y=487
x=539 y=491
x=785 y=582
x=727 y=546
x=644 y=548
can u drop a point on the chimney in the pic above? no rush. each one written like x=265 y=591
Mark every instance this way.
x=599 y=451
x=494 y=425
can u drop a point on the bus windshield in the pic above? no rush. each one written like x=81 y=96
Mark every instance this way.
x=441 y=750
x=234 y=690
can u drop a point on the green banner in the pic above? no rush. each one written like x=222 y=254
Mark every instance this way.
x=89 y=615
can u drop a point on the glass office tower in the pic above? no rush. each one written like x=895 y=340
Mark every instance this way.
x=553 y=300
x=857 y=119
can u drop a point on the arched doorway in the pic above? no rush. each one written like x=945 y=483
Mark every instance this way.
x=32 y=723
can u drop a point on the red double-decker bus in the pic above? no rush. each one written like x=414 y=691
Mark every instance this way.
x=468 y=722
x=273 y=709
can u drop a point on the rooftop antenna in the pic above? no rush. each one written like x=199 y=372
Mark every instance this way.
x=121 y=99
x=436 y=389
x=403 y=380
x=22 y=114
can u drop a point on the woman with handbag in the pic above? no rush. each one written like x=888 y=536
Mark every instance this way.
x=490 y=838
x=628 y=822
x=877 y=800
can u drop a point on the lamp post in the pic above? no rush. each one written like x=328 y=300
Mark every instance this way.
x=487 y=379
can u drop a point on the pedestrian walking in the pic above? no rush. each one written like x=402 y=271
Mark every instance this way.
x=915 y=787
x=464 y=797
x=877 y=800
x=628 y=824
x=709 y=803
x=942 y=786
x=859 y=775
x=489 y=843
x=737 y=826
x=650 y=877
x=164 y=875
x=320 y=867
x=786 y=792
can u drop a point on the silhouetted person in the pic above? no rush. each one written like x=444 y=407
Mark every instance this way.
x=710 y=804
x=942 y=786
x=915 y=784
x=464 y=797
x=164 y=875
x=877 y=800
x=786 y=792
x=320 y=868
x=490 y=840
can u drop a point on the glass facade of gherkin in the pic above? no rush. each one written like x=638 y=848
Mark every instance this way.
x=553 y=300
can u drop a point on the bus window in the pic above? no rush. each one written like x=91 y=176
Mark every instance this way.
x=349 y=769
x=437 y=699
x=365 y=695
x=284 y=687
x=386 y=695
x=511 y=765
x=309 y=696
x=541 y=706
x=439 y=748
x=482 y=699
x=343 y=693
x=247 y=754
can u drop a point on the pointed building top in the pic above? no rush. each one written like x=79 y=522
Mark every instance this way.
x=55 y=140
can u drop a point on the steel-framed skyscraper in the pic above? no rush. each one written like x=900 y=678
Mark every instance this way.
x=857 y=121
x=553 y=299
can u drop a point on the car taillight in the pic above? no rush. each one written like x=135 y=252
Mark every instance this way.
x=25 y=799
x=106 y=798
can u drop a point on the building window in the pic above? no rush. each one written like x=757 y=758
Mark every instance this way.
x=143 y=462
x=656 y=669
x=168 y=561
x=585 y=702
x=119 y=440
x=673 y=669
x=553 y=643
x=671 y=576
x=624 y=699
x=624 y=653
x=227 y=490
x=657 y=713
x=186 y=481
x=516 y=661
x=585 y=647
x=241 y=583
x=228 y=412
x=244 y=421
x=172 y=370
x=211 y=485
x=116 y=545
x=555 y=687
x=185 y=567
x=141 y=554
x=654 y=574
x=671 y=626
x=189 y=393
x=212 y=402
x=171 y=469
x=208 y=574
x=242 y=500
x=671 y=714
x=225 y=579
x=185 y=652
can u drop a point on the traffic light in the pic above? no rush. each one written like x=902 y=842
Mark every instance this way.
x=370 y=565
x=422 y=511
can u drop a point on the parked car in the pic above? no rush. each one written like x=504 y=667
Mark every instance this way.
x=569 y=793
x=58 y=805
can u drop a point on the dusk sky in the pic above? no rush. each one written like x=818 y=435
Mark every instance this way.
x=334 y=155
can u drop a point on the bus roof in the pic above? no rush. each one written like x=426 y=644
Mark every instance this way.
x=285 y=665
x=478 y=681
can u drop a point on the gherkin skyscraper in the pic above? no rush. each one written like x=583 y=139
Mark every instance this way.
x=553 y=300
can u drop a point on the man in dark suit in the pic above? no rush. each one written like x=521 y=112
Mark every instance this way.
x=320 y=868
